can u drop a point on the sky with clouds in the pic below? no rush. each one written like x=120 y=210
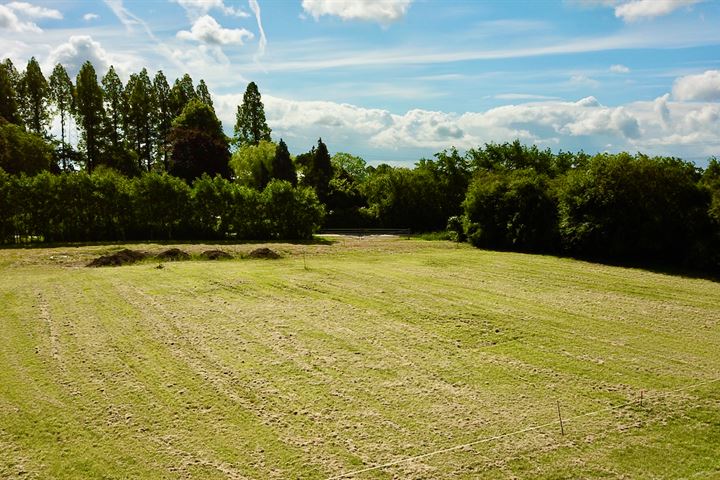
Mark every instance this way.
x=397 y=80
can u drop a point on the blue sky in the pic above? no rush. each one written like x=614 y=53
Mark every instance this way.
x=396 y=80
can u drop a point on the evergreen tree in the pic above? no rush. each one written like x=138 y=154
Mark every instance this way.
x=141 y=111
x=250 y=126
x=163 y=118
x=282 y=165
x=115 y=106
x=319 y=172
x=203 y=94
x=182 y=92
x=8 y=92
x=35 y=98
x=198 y=143
x=90 y=113
x=62 y=94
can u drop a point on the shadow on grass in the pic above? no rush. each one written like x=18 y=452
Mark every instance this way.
x=316 y=240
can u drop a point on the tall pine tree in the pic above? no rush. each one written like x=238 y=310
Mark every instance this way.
x=250 y=125
x=141 y=111
x=90 y=114
x=8 y=92
x=115 y=106
x=62 y=95
x=35 y=98
x=203 y=94
x=163 y=118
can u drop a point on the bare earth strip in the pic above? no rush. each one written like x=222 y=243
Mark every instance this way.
x=342 y=357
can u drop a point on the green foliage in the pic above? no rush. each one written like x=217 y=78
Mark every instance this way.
x=163 y=118
x=213 y=206
x=251 y=127
x=62 y=95
x=198 y=143
x=282 y=167
x=8 y=92
x=294 y=213
x=21 y=151
x=161 y=203
x=90 y=114
x=353 y=165
x=635 y=208
x=203 y=94
x=516 y=156
x=319 y=171
x=34 y=98
x=510 y=210
x=181 y=93
x=141 y=117
x=252 y=164
x=116 y=104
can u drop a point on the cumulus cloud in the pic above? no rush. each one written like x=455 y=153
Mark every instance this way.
x=619 y=69
x=660 y=126
x=18 y=16
x=207 y=30
x=381 y=11
x=198 y=8
x=640 y=9
x=29 y=10
x=702 y=87
x=76 y=51
x=88 y=17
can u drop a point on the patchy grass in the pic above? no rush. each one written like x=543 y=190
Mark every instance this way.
x=342 y=356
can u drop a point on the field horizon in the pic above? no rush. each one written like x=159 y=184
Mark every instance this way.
x=376 y=357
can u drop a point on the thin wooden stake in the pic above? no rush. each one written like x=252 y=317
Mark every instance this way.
x=562 y=428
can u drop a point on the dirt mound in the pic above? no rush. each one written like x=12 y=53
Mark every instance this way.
x=263 y=253
x=123 y=257
x=173 y=254
x=215 y=255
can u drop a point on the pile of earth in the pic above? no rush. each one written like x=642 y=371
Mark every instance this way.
x=263 y=253
x=173 y=254
x=215 y=255
x=123 y=257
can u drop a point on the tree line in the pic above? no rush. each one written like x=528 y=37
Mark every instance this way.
x=510 y=196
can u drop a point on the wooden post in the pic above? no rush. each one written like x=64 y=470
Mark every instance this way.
x=562 y=429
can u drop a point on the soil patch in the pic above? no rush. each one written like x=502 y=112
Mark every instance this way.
x=173 y=254
x=263 y=253
x=215 y=255
x=123 y=257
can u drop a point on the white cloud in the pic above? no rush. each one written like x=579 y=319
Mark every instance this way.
x=658 y=127
x=619 y=69
x=10 y=21
x=382 y=11
x=78 y=50
x=206 y=30
x=583 y=80
x=197 y=8
x=88 y=17
x=702 y=87
x=255 y=7
x=635 y=10
x=33 y=11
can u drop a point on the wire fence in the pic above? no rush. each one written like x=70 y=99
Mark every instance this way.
x=559 y=421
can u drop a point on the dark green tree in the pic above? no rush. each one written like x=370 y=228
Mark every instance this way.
x=140 y=115
x=282 y=165
x=203 y=94
x=21 y=151
x=250 y=125
x=320 y=171
x=62 y=95
x=198 y=143
x=181 y=93
x=35 y=98
x=90 y=114
x=8 y=92
x=163 y=118
x=115 y=106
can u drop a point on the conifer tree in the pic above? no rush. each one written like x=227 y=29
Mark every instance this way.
x=320 y=171
x=182 y=92
x=163 y=118
x=35 y=98
x=141 y=110
x=203 y=94
x=251 y=126
x=90 y=113
x=8 y=92
x=115 y=106
x=62 y=94
x=282 y=165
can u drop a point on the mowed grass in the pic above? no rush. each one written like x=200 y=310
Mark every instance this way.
x=346 y=356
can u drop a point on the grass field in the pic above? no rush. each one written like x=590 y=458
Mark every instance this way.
x=345 y=356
